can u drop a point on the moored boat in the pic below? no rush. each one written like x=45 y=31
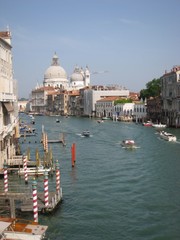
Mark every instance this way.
x=105 y=118
x=21 y=229
x=168 y=136
x=147 y=124
x=34 y=170
x=159 y=125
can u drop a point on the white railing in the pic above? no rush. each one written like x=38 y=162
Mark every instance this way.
x=6 y=97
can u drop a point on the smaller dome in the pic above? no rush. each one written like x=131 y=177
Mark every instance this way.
x=77 y=75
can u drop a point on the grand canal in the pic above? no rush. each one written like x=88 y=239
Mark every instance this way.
x=113 y=193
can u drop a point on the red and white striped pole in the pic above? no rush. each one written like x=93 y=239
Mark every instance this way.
x=35 y=205
x=25 y=169
x=5 y=178
x=57 y=179
x=46 y=193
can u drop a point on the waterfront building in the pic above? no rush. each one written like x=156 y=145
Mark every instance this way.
x=170 y=89
x=39 y=99
x=105 y=106
x=135 y=111
x=91 y=95
x=74 y=108
x=8 y=101
x=140 y=111
x=52 y=97
x=154 y=109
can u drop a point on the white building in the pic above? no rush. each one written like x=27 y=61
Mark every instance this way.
x=133 y=111
x=91 y=96
x=8 y=101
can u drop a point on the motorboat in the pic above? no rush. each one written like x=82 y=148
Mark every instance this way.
x=57 y=120
x=86 y=133
x=105 y=118
x=14 y=228
x=168 y=136
x=159 y=125
x=100 y=121
x=128 y=143
x=147 y=124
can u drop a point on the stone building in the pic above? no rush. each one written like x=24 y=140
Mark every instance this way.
x=170 y=89
x=8 y=101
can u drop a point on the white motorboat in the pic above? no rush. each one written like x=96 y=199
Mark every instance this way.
x=159 y=125
x=168 y=136
x=128 y=143
x=86 y=133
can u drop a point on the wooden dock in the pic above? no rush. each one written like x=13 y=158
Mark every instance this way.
x=25 y=202
x=54 y=200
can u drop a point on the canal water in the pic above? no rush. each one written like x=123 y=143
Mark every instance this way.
x=113 y=193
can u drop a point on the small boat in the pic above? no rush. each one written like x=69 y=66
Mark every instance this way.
x=100 y=121
x=57 y=120
x=86 y=133
x=147 y=124
x=21 y=229
x=34 y=170
x=105 y=118
x=128 y=143
x=159 y=125
x=168 y=136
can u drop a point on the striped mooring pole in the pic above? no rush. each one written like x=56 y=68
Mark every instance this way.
x=35 y=205
x=57 y=179
x=25 y=169
x=46 y=192
x=5 y=178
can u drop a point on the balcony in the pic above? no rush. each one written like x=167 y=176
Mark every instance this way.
x=7 y=97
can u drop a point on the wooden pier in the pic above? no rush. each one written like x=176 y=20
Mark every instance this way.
x=25 y=201
x=54 y=200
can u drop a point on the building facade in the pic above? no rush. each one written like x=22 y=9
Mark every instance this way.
x=170 y=90
x=95 y=93
x=8 y=101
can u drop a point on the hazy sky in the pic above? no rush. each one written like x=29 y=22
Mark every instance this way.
x=134 y=40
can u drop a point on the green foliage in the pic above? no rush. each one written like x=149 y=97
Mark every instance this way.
x=123 y=101
x=153 y=89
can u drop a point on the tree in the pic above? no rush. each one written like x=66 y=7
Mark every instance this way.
x=153 y=89
x=123 y=101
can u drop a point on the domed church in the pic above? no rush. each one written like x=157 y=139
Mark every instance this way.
x=80 y=78
x=55 y=76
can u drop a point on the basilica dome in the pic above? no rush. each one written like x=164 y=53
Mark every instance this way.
x=55 y=75
x=77 y=75
x=55 y=72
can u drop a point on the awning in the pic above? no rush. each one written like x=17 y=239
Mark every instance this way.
x=8 y=106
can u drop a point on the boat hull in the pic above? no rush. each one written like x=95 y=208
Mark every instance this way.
x=168 y=136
